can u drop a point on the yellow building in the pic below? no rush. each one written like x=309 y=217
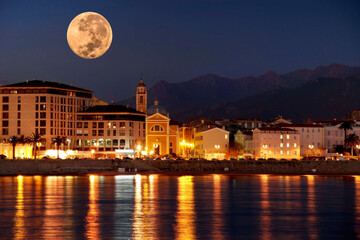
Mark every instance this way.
x=275 y=142
x=211 y=143
x=162 y=137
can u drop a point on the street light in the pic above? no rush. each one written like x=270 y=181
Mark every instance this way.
x=310 y=147
x=138 y=149
x=265 y=147
x=358 y=147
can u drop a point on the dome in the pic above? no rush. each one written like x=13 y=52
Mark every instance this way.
x=156 y=108
x=141 y=83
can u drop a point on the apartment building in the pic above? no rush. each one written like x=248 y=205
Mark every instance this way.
x=211 y=143
x=110 y=127
x=276 y=142
x=46 y=108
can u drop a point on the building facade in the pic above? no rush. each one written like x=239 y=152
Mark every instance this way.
x=47 y=108
x=110 y=128
x=162 y=138
x=311 y=139
x=275 y=142
x=211 y=143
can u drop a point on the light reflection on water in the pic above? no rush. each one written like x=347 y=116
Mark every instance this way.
x=179 y=207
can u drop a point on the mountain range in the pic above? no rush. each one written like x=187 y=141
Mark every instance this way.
x=325 y=92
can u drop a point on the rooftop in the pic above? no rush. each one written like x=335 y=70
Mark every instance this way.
x=277 y=129
x=304 y=125
x=42 y=84
x=111 y=109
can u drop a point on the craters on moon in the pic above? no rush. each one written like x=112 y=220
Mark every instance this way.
x=89 y=35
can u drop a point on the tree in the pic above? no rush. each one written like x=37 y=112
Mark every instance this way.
x=35 y=139
x=58 y=141
x=345 y=125
x=15 y=140
x=352 y=140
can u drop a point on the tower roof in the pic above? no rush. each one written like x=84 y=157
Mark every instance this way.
x=141 y=83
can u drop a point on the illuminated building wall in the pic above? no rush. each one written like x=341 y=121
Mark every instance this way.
x=276 y=143
x=106 y=128
x=211 y=143
x=311 y=138
x=47 y=108
x=21 y=150
x=161 y=137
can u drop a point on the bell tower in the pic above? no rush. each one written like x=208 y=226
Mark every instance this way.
x=141 y=96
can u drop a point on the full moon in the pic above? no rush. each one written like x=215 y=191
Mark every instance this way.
x=89 y=35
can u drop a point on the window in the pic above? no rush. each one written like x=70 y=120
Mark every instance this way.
x=5 y=115
x=94 y=132
x=281 y=152
x=141 y=99
x=43 y=115
x=287 y=152
x=288 y=145
x=122 y=143
x=101 y=133
x=122 y=124
x=131 y=132
x=131 y=124
x=43 y=123
x=101 y=125
x=86 y=124
x=288 y=136
x=5 y=107
x=295 y=145
x=281 y=145
x=42 y=107
x=108 y=142
x=5 y=99
x=114 y=132
x=115 y=142
x=94 y=125
x=18 y=131
x=281 y=136
x=157 y=128
x=79 y=124
x=5 y=123
x=122 y=132
x=108 y=132
x=19 y=123
x=42 y=131
x=19 y=115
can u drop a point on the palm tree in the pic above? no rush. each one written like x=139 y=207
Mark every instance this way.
x=34 y=140
x=58 y=141
x=15 y=140
x=345 y=125
x=352 y=140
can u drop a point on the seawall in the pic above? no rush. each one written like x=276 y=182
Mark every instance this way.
x=115 y=166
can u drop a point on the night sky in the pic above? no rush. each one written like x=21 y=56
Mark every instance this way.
x=176 y=40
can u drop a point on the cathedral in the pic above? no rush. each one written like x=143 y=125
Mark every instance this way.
x=162 y=136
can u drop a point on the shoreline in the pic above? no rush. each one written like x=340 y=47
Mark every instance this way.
x=79 y=167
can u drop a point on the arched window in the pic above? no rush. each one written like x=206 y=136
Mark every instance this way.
x=157 y=128
x=141 y=99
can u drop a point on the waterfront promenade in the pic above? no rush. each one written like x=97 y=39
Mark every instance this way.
x=118 y=166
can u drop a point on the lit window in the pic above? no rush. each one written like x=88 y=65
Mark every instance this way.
x=226 y=136
x=288 y=136
x=295 y=145
x=288 y=145
x=281 y=136
x=157 y=128
x=281 y=144
x=281 y=152
x=287 y=152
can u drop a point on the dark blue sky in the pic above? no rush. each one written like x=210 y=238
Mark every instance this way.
x=176 y=40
